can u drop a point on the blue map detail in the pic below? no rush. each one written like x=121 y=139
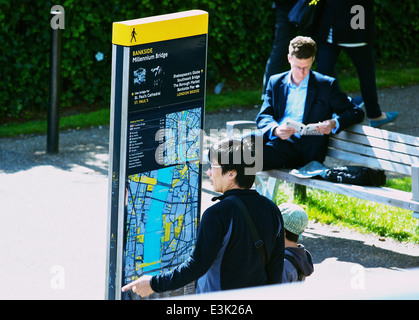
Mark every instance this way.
x=163 y=205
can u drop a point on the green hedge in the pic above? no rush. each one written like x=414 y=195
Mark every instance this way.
x=240 y=39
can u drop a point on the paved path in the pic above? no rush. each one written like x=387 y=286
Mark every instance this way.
x=54 y=215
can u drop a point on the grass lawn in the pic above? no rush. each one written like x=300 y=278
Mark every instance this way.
x=364 y=216
x=77 y=121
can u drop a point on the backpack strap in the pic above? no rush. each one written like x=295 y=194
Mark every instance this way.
x=259 y=245
x=291 y=259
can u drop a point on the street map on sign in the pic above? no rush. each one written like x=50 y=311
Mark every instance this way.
x=163 y=204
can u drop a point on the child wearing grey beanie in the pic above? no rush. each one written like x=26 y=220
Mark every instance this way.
x=298 y=263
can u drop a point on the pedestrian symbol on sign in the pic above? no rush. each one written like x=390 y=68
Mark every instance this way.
x=133 y=34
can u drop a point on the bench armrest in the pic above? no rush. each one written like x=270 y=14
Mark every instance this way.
x=230 y=125
x=415 y=182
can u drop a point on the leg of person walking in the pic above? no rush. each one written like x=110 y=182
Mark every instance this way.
x=284 y=32
x=363 y=59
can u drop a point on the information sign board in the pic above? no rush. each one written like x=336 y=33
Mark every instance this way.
x=157 y=114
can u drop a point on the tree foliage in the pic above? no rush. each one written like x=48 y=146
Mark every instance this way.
x=240 y=39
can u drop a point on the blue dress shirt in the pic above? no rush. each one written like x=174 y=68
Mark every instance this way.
x=296 y=101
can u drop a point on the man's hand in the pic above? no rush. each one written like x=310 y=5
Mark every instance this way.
x=326 y=126
x=141 y=286
x=284 y=132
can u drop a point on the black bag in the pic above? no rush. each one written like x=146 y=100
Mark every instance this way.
x=359 y=175
x=259 y=245
x=302 y=14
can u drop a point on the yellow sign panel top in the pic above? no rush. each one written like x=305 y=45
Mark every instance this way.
x=160 y=28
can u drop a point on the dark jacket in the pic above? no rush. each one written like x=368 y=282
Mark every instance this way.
x=337 y=14
x=224 y=256
x=304 y=262
x=323 y=100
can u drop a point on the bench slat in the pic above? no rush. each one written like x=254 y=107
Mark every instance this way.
x=383 y=195
x=377 y=143
x=390 y=156
x=384 y=134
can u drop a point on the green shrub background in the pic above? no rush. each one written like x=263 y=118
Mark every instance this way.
x=240 y=40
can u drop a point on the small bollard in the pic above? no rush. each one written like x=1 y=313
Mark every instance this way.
x=54 y=97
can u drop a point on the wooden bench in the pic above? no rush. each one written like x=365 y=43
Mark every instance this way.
x=361 y=145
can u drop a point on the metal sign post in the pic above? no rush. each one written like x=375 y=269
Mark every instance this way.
x=55 y=79
x=157 y=114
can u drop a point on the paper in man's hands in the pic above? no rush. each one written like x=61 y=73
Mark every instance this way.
x=301 y=128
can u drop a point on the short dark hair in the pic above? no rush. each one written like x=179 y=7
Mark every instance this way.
x=291 y=236
x=302 y=47
x=232 y=154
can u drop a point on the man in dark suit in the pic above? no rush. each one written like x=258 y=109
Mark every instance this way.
x=304 y=96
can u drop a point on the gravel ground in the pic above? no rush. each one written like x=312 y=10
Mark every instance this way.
x=54 y=214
